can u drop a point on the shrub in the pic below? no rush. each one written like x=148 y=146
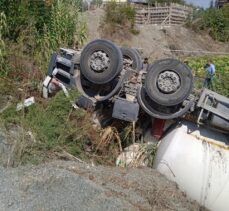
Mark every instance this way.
x=215 y=22
x=35 y=30
x=27 y=39
x=118 y=17
x=55 y=127
x=65 y=29
x=120 y=14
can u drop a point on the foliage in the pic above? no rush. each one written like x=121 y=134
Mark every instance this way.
x=62 y=26
x=55 y=126
x=3 y=30
x=59 y=31
x=216 y=22
x=37 y=28
x=119 y=14
x=197 y=12
x=119 y=18
x=65 y=28
x=57 y=17
x=21 y=13
x=220 y=82
x=32 y=30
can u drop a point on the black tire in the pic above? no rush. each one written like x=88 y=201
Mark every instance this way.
x=148 y=106
x=112 y=52
x=134 y=55
x=180 y=93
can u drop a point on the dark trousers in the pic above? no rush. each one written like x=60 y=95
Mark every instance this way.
x=208 y=83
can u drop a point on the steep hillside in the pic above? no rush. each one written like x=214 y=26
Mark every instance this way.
x=156 y=41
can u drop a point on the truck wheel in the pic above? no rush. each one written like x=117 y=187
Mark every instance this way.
x=168 y=82
x=134 y=56
x=101 y=61
x=159 y=111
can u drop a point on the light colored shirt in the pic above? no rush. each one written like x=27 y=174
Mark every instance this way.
x=211 y=70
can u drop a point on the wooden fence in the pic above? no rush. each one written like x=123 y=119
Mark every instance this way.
x=163 y=15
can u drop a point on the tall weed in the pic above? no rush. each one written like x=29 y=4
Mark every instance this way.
x=3 y=29
x=65 y=29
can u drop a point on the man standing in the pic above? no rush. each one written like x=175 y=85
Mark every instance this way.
x=145 y=63
x=210 y=69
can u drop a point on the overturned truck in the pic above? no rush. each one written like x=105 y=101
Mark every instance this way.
x=106 y=74
x=194 y=152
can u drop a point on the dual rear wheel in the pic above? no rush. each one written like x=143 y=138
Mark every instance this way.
x=101 y=61
x=167 y=84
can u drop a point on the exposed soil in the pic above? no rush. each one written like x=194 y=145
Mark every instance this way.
x=75 y=186
x=157 y=42
x=68 y=185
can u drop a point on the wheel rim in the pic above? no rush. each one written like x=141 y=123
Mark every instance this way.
x=99 y=61
x=147 y=106
x=168 y=82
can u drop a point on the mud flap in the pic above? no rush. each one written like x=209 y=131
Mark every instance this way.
x=125 y=110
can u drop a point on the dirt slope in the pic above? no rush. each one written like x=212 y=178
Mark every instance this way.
x=67 y=185
x=74 y=186
x=157 y=41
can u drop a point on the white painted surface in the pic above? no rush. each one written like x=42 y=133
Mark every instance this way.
x=26 y=103
x=197 y=159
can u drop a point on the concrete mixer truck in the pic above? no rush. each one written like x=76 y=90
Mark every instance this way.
x=194 y=151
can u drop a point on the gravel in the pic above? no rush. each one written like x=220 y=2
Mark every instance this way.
x=66 y=185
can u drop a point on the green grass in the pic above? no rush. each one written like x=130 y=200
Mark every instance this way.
x=55 y=125
x=220 y=82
